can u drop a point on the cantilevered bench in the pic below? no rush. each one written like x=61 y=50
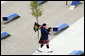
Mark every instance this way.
x=75 y=2
x=4 y=35
x=10 y=17
x=77 y=52
x=41 y=2
x=60 y=27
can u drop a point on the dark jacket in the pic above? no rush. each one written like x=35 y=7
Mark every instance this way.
x=44 y=34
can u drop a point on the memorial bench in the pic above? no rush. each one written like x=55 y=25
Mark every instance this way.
x=60 y=27
x=4 y=35
x=41 y=2
x=10 y=17
x=75 y=2
x=77 y=52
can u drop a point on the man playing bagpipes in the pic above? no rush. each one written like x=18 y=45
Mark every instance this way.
x=44 y=39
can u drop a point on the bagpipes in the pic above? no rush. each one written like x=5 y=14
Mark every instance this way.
x=38 y=26
x=49 y=29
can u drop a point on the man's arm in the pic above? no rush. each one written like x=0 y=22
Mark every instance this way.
x=46 y=32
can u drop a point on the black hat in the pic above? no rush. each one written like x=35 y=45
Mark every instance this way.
x=44 y=24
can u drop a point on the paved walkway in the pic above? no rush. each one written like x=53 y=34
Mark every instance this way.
x=24 y=40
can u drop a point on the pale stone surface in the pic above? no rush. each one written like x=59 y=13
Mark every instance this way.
x=24 y=40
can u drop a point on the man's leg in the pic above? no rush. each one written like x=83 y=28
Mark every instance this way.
x=42 y=45
x=40 y=50
x=47 y=45
x=48 y=50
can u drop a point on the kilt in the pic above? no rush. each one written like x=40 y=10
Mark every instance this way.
x=43 y=41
